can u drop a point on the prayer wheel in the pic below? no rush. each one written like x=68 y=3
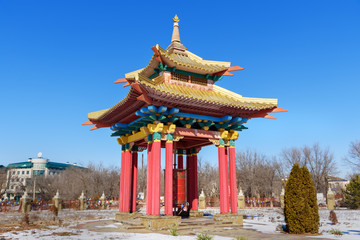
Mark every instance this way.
x=179 y=186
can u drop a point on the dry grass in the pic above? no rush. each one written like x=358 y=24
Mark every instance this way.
x=60 y=234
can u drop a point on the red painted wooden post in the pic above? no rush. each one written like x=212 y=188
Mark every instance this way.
x=156 y=174
x=224 y=198
x=232 y=172
x=127 y=185
x=188 y=177
x=122 y=174
x=149 y=180
x=134 y=178
x=227 y=178
x=195 y=198
x=180 y=159
x=169 y=177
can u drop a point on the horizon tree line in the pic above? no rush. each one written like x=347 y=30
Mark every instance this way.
x=258 y=175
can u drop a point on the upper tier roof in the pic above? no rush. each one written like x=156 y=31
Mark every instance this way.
x=185 y=61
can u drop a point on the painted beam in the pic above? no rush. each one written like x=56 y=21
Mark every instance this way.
x=121 y=80
x=126 y=84
x=152 y=109
x=262 y=115
x=171 y=112
x=197 y=133
x=99 y=125
x=144 y=98
x=204 y=117
x=278 y=109
x=137 y=87
x=235 y=68
x=157 y=54
x=88 y=123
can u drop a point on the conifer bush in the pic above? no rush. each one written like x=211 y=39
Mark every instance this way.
x=301 y=209
x=352 y=193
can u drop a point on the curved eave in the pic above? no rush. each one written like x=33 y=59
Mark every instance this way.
x=217 y=97
x=123 y=111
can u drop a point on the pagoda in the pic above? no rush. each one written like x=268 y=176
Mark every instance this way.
x=174 y=103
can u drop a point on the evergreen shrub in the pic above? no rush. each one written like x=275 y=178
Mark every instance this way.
x=352 y=193
x=301 y=209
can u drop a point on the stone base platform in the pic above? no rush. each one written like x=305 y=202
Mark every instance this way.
x=235 y=218
x=195 y=213
x=125 y=216
x=160 y=222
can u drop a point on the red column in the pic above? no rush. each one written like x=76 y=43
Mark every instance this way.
x=232 y=171
x=224 y=198
x=121 y=194
x=227 y=178
x=195 y=198
x=127 y=184
x=156 y=151
x=149 y=180
x=134 y=178
x=180 y=159
x=169 y=178
x=188 y=177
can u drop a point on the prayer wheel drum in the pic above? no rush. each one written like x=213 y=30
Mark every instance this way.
x=179 y=186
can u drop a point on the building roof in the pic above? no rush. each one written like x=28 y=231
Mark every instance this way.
x=41 y=160
x=150 y=86
x=20 y=165
x=336 y=179
x=60 y=166
x=50 y=165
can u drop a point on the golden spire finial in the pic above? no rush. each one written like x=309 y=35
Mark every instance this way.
x=176 y=19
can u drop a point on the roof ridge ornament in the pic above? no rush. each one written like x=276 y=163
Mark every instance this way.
x=176 y=45
x=176 y=19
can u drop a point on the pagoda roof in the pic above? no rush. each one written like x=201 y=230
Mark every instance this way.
x=155 y=86
x=186 y=61
x=158 y=90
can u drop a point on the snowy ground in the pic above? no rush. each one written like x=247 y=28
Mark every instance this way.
x=349 y=222
x=262 y=220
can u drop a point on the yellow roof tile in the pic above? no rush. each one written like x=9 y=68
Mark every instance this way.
x=193 y=61
x=217 y=95
x=96 y=115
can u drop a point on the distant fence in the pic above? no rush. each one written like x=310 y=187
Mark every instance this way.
x=14 y=206
x=250 y=202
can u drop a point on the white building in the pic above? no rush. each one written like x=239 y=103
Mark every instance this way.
x=20 y=175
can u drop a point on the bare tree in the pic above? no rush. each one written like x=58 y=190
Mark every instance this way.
x=93 y=180
x=2 y=180
x=257 y=175
x=354 y=154
x=320 y=163
x=208 y=178
x=142 y=173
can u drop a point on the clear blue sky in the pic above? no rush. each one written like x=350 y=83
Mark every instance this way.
x=59 y=59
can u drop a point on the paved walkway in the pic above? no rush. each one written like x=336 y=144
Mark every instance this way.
x=191 y=226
